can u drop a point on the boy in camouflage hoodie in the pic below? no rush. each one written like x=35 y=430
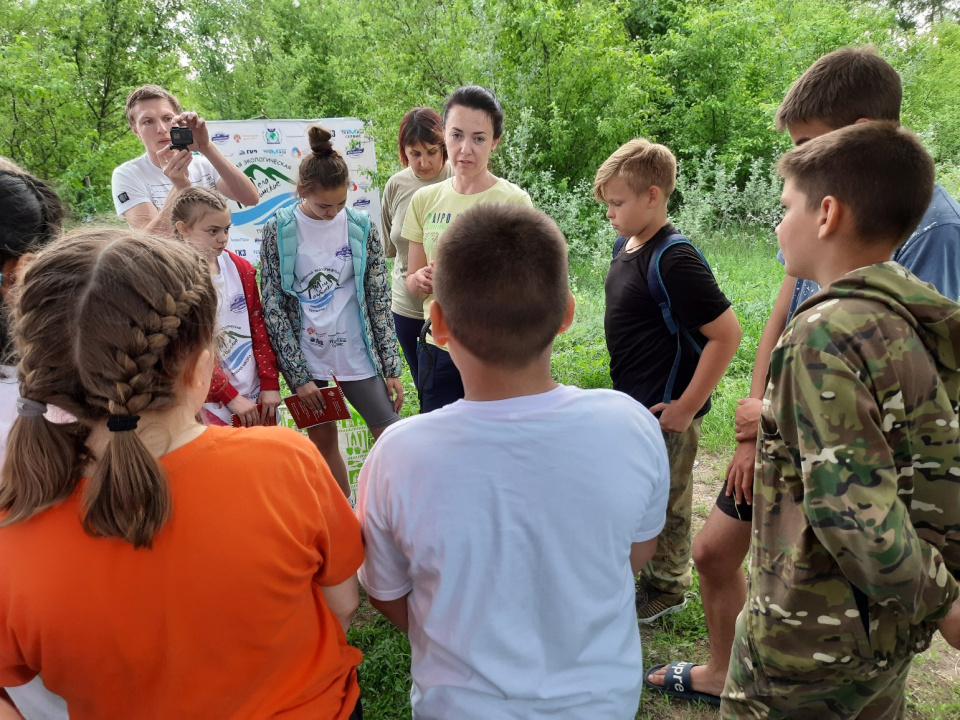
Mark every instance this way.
x=856 y=526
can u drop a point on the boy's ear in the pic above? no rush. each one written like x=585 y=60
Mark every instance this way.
x=568 y=314
x=832 y=213
x=654 y=194
x=438 y=324
x=180 y=226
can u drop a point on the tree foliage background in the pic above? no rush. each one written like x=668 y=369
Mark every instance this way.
x=576 y=77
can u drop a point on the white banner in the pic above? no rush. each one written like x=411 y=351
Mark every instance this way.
x=269 y=153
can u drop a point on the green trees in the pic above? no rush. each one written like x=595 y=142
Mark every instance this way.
x=584 y=75
x=65 y=71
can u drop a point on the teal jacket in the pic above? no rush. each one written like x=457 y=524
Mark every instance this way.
x=281 y=305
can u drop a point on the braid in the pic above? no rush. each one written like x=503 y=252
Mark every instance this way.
x=130 y=308
x=187 y=201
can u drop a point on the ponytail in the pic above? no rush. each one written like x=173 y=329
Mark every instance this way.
x=128 y=495
x=43 y=464
x=103 y=324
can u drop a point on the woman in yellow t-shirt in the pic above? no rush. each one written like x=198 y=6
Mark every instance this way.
x=473 y=126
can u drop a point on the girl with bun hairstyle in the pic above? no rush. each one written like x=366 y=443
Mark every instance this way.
x=326 y=300
x=154 y=567
x=245 y=381
x=423 y=156
x=473 y=126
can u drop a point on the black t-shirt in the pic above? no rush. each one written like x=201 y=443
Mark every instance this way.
x=642 y=350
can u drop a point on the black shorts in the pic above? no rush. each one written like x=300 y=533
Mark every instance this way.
x=729 y=506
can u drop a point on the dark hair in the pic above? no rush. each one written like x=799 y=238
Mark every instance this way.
x=487 y=249
x=878 y=169
x=323 y=167
x=31 y=216
x=477 y=98
x=149 y=92
x=186 y=203
x=421 y=125
x=103 y=324
x=842 y=87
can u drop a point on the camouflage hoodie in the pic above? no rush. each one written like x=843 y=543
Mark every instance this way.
x=856 y=526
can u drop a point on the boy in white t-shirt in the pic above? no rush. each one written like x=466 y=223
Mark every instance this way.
x=503 y=531
x=145 y=188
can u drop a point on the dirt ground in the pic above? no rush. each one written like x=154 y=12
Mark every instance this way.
x=933 y=688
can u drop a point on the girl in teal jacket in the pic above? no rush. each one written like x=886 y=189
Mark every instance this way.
x=326 y=300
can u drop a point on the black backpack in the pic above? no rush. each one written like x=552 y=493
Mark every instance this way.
x=659 y=293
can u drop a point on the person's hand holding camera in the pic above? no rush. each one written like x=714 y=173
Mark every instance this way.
x=176 y=166
x=198 y=126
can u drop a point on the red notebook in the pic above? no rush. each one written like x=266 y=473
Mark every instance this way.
x=235 y=421
x=306 y=417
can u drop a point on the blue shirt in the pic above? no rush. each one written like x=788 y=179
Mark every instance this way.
x=932 y=252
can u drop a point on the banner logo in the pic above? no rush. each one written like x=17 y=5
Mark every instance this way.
x=272 y=136
x=220 y=138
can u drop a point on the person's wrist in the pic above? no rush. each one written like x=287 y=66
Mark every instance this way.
x=207 y=148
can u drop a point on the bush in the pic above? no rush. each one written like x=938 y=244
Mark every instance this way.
x=571 y=205
x=710 y=199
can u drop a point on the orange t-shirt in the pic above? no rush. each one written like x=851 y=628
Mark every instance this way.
x=223 y=618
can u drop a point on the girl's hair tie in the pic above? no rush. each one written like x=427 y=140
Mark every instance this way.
x=122 y=423
x=30 y=408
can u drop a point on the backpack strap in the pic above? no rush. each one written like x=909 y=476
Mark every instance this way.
x=658 y=292
x=618 y=244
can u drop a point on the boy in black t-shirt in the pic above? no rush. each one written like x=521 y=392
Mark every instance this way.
x=671 y=373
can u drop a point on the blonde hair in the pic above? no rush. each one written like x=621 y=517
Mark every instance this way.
x=641 y=164
x=187 y=202
x=103 y=323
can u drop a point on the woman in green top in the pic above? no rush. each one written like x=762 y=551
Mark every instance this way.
x=424 y=158
x=473 y=126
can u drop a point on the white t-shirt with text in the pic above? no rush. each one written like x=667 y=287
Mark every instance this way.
x=510 y=525
x=324 y=280
x=235 y=340
x=139 y=181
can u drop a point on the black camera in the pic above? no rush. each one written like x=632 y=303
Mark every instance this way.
x=181 y=138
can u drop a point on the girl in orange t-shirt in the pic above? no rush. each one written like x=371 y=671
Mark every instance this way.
x=150 y=566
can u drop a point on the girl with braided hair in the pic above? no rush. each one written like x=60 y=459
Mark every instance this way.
x=326 y=300
x=245 y=381
x=151 y=566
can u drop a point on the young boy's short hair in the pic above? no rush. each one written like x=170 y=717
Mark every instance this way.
x=842 y=87
x=641 y=164
x=878 y=169
x=149 y=92
x=501 y=279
